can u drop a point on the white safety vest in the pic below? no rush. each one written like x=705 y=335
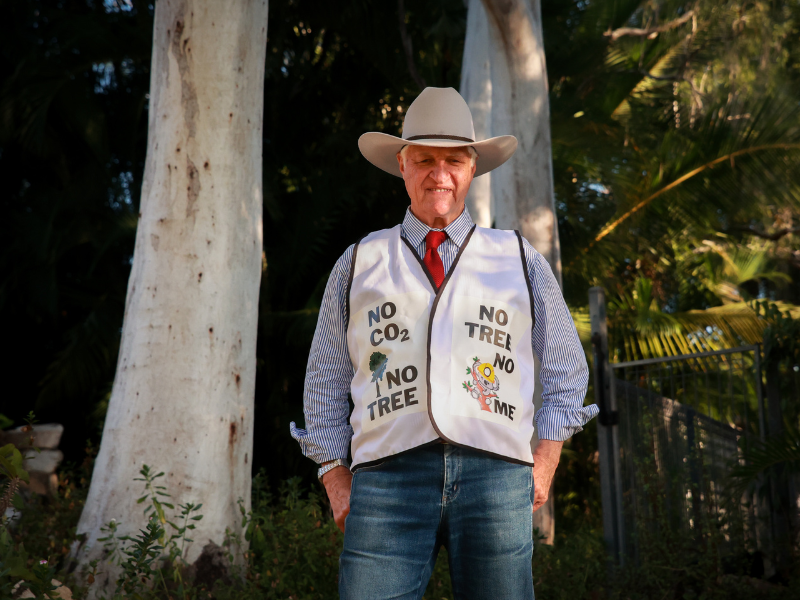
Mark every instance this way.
x=456 y=364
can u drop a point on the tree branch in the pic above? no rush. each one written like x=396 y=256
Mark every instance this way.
x=649 y=33
x=710 y=165
x=412 y=67
x=773 y=237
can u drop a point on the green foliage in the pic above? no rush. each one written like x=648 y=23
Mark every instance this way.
x=5 y=422
x=142 y=558
x=156 y=494
x=11 y=473
x=762 y=457
x=574 y=567
x=139 y=568
x=294 y=545
x=782 y=334
x=16 y=565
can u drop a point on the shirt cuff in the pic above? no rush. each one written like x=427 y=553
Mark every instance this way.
x=324 y=446
x=559 y=424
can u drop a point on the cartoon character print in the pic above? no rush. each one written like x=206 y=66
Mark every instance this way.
x=484 y=385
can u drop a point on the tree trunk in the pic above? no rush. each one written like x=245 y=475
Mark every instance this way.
x=476 y=89
x=523 y=188
x=182 y=400
x=514 y=86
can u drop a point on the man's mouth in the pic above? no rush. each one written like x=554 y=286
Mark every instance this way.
x=439 y=190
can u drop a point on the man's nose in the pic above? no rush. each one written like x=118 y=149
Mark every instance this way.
x=440 y=173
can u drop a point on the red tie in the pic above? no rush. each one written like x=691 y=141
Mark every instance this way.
x=432 y=259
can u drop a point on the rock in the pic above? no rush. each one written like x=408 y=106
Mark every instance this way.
x=211 y=566
x=41 y=467
x=12 y=517
x=46 y=461
x=42 y=483
x=46 y=436
x=61 y=591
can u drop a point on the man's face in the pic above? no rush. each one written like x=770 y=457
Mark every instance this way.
x=437 y=181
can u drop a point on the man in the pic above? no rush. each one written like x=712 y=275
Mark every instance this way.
x=431 y=327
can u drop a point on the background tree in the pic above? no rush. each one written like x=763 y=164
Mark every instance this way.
x=504 y=78
x=183 y=392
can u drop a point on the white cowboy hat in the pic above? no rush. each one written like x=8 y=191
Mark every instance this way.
x=438 y=117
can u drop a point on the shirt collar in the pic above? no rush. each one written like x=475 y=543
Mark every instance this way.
x=415 y=230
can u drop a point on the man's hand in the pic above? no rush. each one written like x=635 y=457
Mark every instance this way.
x=337 y=484
x=545 y=461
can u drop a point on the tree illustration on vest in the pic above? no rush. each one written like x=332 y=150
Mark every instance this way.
x=377 y=364
x=484 y=383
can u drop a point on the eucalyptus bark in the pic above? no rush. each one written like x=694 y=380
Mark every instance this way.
x=182 y=399
x=476 y=89
x=523 y=187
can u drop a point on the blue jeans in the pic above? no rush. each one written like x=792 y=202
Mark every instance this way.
x=403 y=510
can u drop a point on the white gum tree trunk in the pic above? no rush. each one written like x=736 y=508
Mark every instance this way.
x=523 y=188
x=182 y=400
x=508 y=95
x=476 y=89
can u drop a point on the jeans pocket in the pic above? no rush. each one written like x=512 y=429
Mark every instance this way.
x=370 y=468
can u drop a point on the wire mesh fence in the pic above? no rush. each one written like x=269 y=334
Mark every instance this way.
x=683 y=422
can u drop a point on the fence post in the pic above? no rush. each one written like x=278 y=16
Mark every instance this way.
x=779 y=496
x=607 y=429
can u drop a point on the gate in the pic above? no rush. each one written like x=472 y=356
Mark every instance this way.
x=669 y=431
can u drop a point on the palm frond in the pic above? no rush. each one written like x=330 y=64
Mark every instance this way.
x=764 y=456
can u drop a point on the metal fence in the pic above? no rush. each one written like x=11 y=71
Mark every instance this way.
x=670 y=430
x=682 y=422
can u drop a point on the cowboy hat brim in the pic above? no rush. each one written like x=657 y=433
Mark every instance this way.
x=381 y=150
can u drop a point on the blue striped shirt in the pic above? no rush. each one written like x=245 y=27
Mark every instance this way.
x=564 y=374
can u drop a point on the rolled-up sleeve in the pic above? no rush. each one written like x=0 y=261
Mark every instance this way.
x=328 y=375
x=564 y=375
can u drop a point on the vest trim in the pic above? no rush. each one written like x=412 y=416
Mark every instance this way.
x=421 y=263
x=350 y=282
x=527 y=278
x=380 y=461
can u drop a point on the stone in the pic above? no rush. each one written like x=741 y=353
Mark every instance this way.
x=46 y=436
x=46 y=461
x=42 y=483
x=61 y=591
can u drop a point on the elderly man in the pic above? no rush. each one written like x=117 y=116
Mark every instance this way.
x=431 y=327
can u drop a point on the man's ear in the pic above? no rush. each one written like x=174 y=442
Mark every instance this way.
x=401 y=162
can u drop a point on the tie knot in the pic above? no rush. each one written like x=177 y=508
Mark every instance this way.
x=434 y=239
